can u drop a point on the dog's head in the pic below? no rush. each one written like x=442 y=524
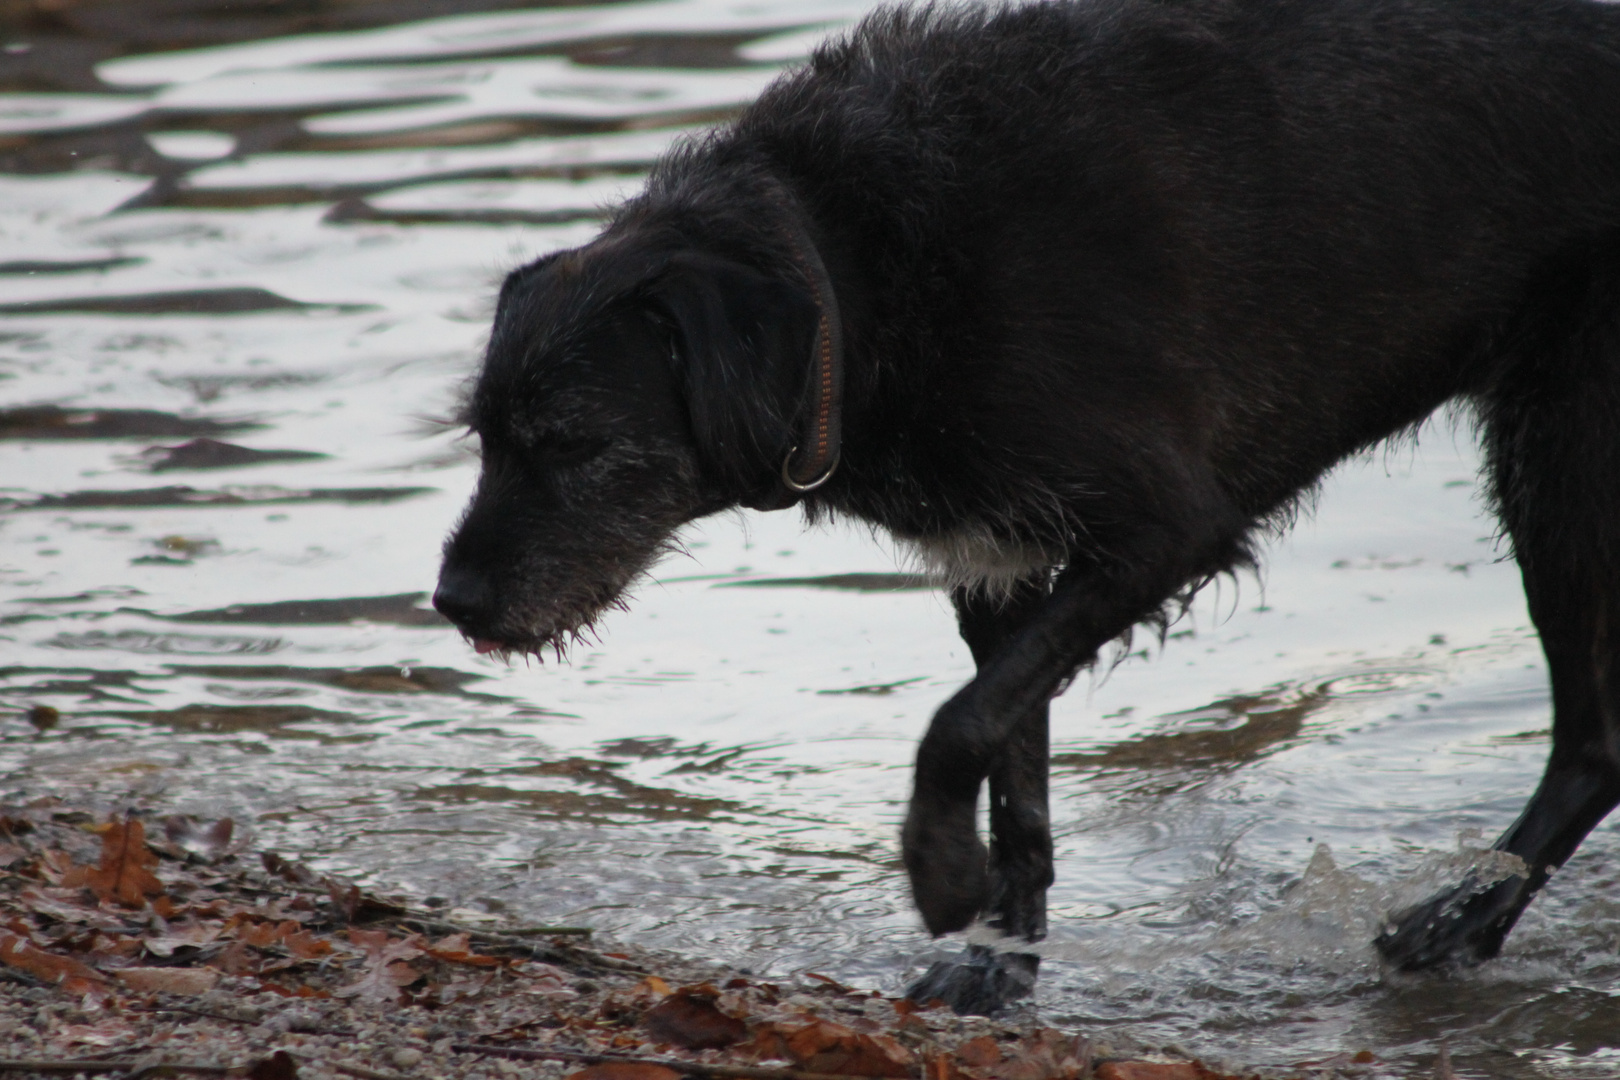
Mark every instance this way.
x=628 y=388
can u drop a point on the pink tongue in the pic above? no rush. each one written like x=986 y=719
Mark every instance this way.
x=484 y=645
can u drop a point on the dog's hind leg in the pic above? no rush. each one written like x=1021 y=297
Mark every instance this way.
x=984 y=979
x=1552 y=427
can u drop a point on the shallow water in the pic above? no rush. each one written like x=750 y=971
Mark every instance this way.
x=238 y=282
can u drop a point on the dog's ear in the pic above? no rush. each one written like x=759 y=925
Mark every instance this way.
x=743 y=343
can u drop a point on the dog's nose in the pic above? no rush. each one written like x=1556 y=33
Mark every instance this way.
x=463 y=596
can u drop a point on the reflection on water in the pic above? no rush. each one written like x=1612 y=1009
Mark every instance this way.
x=252 y=251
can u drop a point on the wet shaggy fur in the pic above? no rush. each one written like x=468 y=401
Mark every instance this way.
x=1119 y=280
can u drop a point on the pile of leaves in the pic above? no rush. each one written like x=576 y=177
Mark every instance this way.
x=161 y=946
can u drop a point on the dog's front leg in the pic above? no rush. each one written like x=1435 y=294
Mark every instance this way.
x=996 y=726
x=1020 y=861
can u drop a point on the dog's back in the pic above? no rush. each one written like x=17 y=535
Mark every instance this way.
x=1299 y=223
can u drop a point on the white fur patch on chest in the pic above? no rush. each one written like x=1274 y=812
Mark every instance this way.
x=973 y=557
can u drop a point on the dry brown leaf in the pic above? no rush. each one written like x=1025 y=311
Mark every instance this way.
x=188 y=935
x=1048 y=1055
x=62 y=905
x=238 y=959
x=823 y=1046
x=941 y=1067
x=300 y=991
x=262 y=935
x=104 y=946
x=63 y=971
x=547 y=981
x=624 y=1070
x=54 y=866
x=979 y=1053
x=690 y=1019
x=386 y=966
x=168 y=980
x=1156 y=1070
x=375 y=941
x=306 y=946
x=456 y=949
x=636 y=1000
x=124 y=872
x=113 y=1031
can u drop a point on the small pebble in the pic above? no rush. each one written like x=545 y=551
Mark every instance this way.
x=407 y=1057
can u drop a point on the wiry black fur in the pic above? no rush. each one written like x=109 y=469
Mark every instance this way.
x=1119 y=280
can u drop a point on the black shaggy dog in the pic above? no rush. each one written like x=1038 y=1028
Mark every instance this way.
x=1078 y=297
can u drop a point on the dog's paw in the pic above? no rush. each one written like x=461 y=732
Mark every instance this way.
x=979 y=982
x=948 y=864
x=1465 y=925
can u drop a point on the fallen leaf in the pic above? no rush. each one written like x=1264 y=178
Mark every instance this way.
x=386 y=967
x=187 y=936
x=636 y=1000
x=113 y=1031
x=168 y=980
x=1048 y=1055
x=64 y=907
x=306 y=946
x=826 y=1047
x=372 y=941
x=293 y=991
x=63 y=971
x=102 y=946
x=1154 y=1070
x=689 y=1018
x=238 y=959
x=456 y=949
x=124 y=872
x=979 y=1053
x=262 y=935
x=624 y=1070
x=548 y=981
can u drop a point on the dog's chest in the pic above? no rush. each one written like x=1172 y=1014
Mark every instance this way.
x=974 y=557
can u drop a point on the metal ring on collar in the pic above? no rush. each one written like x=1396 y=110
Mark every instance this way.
x=793 y=485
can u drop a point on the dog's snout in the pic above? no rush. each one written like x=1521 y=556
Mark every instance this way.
x=463 y=596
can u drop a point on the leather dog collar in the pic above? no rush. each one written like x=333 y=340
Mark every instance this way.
x=811 y=463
